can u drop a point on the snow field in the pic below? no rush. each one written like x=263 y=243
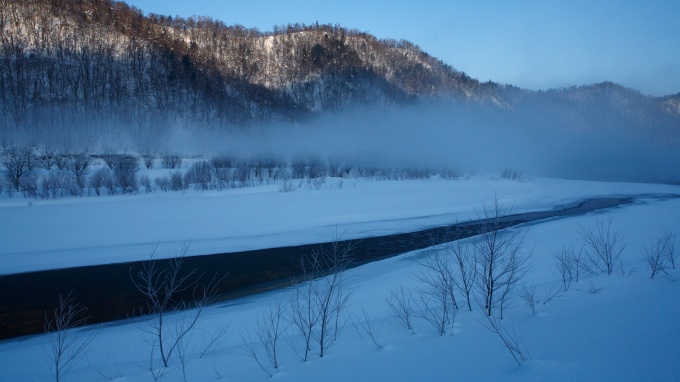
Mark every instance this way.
x=627 y=331
x=49 y=234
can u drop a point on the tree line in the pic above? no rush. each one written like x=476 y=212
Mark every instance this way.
x=86 y=68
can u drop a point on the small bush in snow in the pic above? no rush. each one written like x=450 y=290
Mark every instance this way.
x=660 y=255
x=18 y=163
x=172 y=161
x=199 y=174
x=101 y=180
x=148 y=161
x=177 y=181
x=514 y=174
x=145 y=182
x=603 y=244
x=125 y=169
x=401 y=303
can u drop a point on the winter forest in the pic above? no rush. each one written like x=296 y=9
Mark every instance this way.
x=186 y=200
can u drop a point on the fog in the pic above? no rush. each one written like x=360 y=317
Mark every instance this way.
x=538 y=141
x=553 y=139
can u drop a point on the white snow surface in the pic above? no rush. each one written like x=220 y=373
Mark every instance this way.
x=67 y=232
x=628 y=331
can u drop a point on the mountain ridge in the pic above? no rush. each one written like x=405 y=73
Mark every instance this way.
x=101 y=63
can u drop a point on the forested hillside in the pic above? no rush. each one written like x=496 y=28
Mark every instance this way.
x=77 y=70
x=95 y=64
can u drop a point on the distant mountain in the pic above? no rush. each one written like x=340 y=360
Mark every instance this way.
x=87 y=67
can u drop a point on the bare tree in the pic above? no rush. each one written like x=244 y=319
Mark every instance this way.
x=366 y=324
x=125 y=169
x=48 y=159
x=670 y=239
x=579 y=267
x=433 y=308
x=550 y=294
x=564 y=265
x=319 y=296
x=511 y=341
x=78 y=166
x=303 y=314
x=65 y=346
x=604 y=245
x=501 y=264
x=466 y=263
x=249 y=348
x=528 y=295
x=172 y=161
x=148 y=160
x=331 y=296
x=18 y=162
x=400 y=302
x=656 y=255
x=161 y=288
x=270 y=327
x=437 y=292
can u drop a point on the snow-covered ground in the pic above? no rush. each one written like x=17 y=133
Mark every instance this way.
x=628 y=330
x=47 y=234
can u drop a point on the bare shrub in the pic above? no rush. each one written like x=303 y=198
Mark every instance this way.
x=320 y=297
x=501 y=263
x=145 y=182
x=29 y=185
x=338 y=169
x=670 y=240
x=287 y=185
x=18 y=163
x=61 y=161
x=171 y=161
x=48 y=159
x=434 y=309
x=222 y=161
x=297 y=168
x=466 y=264
x=148 y=160
x=366 y=324
x=273 y=165
x=269 y=329
x=66 y=347
x=593 y=287
x=511 y=341
x=528 y=295
x=437 y=304
x=604 y=245
x=550 y=294
x=400 y=302
x=565 y=265
x=249 y=348
x=54 y=184
x=315 y=168
x=125 y=169
x=161 y=287
x=657 y=255
x=242 y=175
x=78 y=166
x=200 y=175
x=514 y=174
x=177 y=181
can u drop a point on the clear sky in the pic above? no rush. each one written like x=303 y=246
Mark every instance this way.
x=535 y=44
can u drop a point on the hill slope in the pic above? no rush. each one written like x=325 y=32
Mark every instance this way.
x=91 y=68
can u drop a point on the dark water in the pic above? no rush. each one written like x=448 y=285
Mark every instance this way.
x=109 y=294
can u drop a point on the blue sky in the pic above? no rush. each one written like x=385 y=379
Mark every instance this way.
x=529 y=43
